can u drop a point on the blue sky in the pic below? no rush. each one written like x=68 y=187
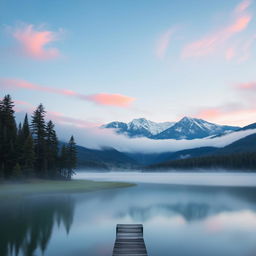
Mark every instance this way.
x=126 y=59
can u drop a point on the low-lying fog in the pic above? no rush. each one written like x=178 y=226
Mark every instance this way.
x=175 y=178
x=96 y=138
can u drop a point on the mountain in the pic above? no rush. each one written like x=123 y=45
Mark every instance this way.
x=244 y=145
x=140 y=127
x=105 y=158
x=238 y=155
x=248 y=127
x=186 y=128
x=154 y=158
x=193 y=128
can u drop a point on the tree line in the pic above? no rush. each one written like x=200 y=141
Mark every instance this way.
x=32 y=150
x=236 y=161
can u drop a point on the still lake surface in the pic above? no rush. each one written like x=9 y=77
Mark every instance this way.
x=183 y=214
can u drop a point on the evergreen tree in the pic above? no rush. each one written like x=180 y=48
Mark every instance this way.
x=71 y=157
x=26 y=148
x=19 y=144
x=39 y=135
x=8 y=135
x=25 y=127
x=51 y=149
x=28 y=157
x=63 y=163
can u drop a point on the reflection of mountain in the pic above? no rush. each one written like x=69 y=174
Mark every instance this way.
x=190 y=211
x=26 y=226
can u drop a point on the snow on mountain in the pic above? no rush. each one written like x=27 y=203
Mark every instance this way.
x=186 y=128
x=193 y=128
x=153 y=127
x=139 y=127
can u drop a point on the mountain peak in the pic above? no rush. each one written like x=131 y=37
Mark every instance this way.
x=186 y=119
x=186 y=128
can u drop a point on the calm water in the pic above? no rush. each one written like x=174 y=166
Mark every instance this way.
x=178 y=219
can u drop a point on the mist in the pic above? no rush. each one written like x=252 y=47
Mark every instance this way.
x=174 y=178
x=98 y=138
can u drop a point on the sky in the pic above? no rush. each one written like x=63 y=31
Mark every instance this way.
x=93 y=62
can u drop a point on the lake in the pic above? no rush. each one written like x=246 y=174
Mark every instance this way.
x=182 y=213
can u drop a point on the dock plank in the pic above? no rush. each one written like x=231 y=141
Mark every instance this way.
x=129 y=240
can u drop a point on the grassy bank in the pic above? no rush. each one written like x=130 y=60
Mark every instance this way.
x=32 y=187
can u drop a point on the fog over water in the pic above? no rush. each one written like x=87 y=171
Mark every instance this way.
x=174 y=178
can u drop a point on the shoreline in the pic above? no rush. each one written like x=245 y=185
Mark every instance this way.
x=38 y=186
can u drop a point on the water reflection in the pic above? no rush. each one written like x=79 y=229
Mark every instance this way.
x=26 y=225
x=180 y=220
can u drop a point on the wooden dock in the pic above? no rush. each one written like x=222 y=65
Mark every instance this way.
x=129 y=240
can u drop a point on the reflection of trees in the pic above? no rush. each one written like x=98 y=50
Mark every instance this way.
x=26 y=225
x=189 y=211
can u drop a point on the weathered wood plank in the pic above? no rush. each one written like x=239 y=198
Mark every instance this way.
x=129 y=240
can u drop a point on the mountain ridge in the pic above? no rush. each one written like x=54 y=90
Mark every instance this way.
x=186 y=128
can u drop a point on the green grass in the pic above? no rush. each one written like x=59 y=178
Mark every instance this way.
x=32 y=187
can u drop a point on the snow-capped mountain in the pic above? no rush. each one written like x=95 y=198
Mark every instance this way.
x=140 y=127
x=193 y=128
x=186 y=128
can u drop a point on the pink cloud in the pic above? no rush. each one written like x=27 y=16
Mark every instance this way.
x=242 y=115
x=164 y=42
x=247 y=86
x=117 y=100
x=61 y=118
x=23 y=106
x=34 y=42
x=209 y=114
x=111 y=99
x=210 y=43
x=240 y=51
x=243 y=6
x=230 y=53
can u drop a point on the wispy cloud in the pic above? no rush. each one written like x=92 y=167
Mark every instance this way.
x=111 y=99
x=22 y=107
x=164 y=42
x=35 y=42
x=216 y=40
x=235 y=114
x=246 y=86
x=241 y=7
x=106 y=99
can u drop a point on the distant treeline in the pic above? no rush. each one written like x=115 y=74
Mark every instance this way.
x=32 y=150
x=237 y=161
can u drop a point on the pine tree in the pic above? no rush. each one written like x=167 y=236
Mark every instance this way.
x=8 y=136
x=28 y=157
x=26 y=148
x=39 y=135
x=25 y=127
x=63 y=163
x=19 y=144
x=72 y=158
x=51 y=149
